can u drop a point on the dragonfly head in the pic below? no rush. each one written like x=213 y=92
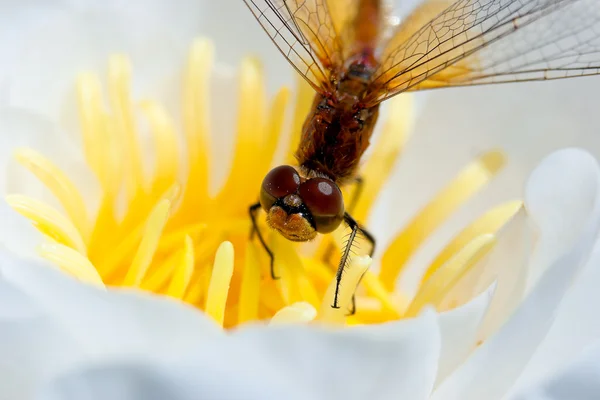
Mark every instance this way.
x=299 y=208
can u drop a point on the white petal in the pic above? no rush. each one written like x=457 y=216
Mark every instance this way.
x=495 y=366
x=14 y=304
x=112 y=322
x=458 y=331
x=560 y=198
x=212 y=375
x=294 y=362
x=575 y=326
x=17 y=17
x=578 y=381
x=34 y=348
x=52 y=53
x=390 y=361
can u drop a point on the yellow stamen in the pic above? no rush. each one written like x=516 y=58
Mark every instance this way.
x=71 y=261
x=295 y=313
x=119 y=78
x=109 y=264
x=60 y=185
x=368 y=311
x=435 y=288
x=183 y=270
x=249 y=291
x=143 y=257
x=196 y=123
x=165 y=143
x=375 y=288
x=304 y=99
x=243 y=181
x=308 y=291
x=470 y=180
x=319 y=273
x=172 y=239
x=220 y=280
x=274 y=128
x=490 y=222
x=159 y=274
x=92 y=124
x=270 y=296
x=48 y=220
x=289 y=266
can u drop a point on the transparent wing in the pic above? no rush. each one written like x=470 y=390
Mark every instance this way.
x=475 y=42
x=425 y=11
x=304 y=33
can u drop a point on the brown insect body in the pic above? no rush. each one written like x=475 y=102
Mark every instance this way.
x=338 y=129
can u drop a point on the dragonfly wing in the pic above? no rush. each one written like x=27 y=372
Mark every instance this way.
x=343 y=14
x=475 y=42
x=304 y=33
x=419 y=17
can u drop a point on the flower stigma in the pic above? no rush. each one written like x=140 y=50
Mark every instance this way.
x=165 y=233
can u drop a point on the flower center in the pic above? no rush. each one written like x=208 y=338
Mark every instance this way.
x=165 y=233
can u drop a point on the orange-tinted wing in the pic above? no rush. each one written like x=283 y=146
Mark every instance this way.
x=304 y=33
x=343 y=13
x=475 y=42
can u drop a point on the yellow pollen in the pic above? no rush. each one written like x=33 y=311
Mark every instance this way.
x=157 y=228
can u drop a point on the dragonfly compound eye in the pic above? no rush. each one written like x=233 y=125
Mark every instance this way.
x=324 y=200
x=279 y=182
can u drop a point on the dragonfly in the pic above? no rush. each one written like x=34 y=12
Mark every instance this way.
x=355 y=59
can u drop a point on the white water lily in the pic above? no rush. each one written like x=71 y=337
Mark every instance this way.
x=62 y=339
x=123 y=344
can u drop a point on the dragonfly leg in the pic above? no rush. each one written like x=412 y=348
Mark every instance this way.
x=355 y=229
x=252 y=210
x=353 y=301
x=358 y=188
